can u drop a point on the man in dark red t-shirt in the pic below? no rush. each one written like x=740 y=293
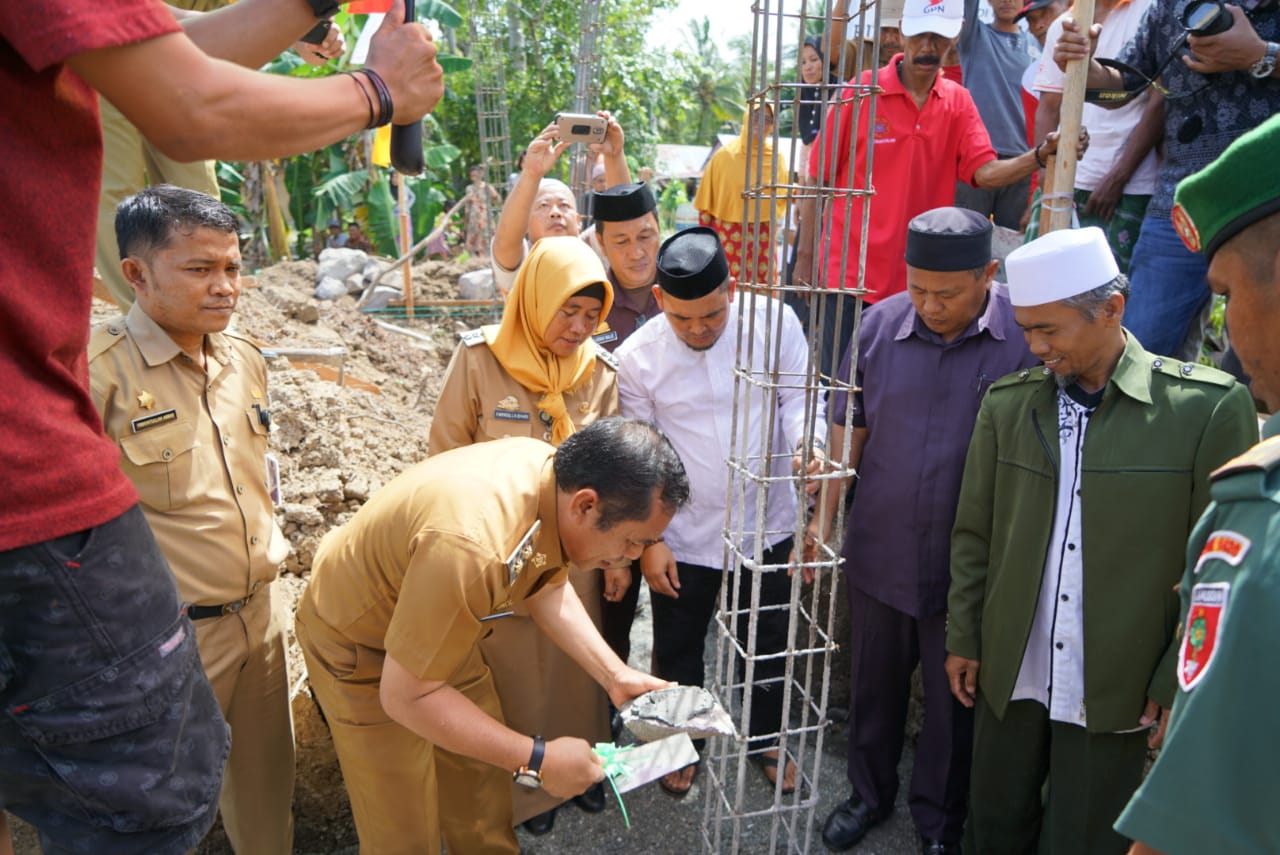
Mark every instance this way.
x=112 y=740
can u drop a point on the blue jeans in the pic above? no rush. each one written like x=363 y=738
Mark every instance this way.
x=110 y=737
x=1168 y=291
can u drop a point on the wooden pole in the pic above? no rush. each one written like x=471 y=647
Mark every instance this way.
x=1046 y=193
x=405 y=234
x=1064 y=175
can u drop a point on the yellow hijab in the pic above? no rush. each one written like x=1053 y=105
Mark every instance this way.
x=555 y=270
x=725 y=180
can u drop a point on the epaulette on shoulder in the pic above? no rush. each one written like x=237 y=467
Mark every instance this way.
x=472 y=337
x=1018 y=378
x=105 y=337
x=1263 y=457
x=1191 y=371
x=607 y=358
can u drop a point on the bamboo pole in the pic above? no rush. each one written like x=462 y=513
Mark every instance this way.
x=1064 y=175
x=1046 y=194
x=414 y=250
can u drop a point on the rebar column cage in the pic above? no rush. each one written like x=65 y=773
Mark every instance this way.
x=488 y=71
x=740 y=815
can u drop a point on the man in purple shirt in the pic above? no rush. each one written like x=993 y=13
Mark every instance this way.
x=926 y=358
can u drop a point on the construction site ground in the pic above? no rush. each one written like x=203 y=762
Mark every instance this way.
x=338 y=444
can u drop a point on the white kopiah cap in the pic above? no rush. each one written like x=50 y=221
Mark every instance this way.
x=943 y=17
x=1059 y=265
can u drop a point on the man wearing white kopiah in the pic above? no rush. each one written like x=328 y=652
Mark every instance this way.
x=677 y=371
x=1081 y=485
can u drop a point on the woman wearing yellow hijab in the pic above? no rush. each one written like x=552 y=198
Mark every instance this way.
x=538 y=374
x=732 y=170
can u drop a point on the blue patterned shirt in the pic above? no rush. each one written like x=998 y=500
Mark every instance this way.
x=1205 y=113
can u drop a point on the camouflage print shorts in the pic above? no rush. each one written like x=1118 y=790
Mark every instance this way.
x=111 y=740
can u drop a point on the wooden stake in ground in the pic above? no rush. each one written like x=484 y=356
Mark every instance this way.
x=406 y=234
x=1064 y=174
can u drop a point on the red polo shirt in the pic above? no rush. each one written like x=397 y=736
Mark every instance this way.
x=919 y=156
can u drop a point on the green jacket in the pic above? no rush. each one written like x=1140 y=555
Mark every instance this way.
x=1201 y=795
x=1161 y=428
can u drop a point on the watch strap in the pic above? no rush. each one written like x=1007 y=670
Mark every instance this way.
x=1267 y=64
x=535 y=758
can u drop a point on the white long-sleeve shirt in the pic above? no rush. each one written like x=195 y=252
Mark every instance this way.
x=689 y=395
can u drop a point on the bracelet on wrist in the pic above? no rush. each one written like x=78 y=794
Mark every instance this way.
x=1039 y=161
x=386 y=109
x=365 y=92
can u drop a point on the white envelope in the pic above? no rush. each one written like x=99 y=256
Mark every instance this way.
x=641 y=764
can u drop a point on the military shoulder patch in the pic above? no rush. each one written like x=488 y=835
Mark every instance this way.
x=1201 y=631
x=472 y=337
x=1223 y=545
x=1263 y=456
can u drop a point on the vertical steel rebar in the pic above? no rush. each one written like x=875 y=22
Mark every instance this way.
x=739 y=815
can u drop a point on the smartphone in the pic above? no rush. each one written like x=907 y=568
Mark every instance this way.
x=316 y=34
x=581 y=128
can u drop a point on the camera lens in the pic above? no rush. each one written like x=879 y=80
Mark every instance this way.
x=1206 y=18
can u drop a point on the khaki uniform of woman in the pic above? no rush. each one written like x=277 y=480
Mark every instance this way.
x=505 y=381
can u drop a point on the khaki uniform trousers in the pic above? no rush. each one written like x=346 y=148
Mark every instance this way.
x=130 y=163
x=405 y=792
x=244 y=658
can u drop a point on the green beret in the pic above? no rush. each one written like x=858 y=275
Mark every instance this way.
x=1232 y=193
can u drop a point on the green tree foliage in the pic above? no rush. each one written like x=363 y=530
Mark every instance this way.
x=715 y=81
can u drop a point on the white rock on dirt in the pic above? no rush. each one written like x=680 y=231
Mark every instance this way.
x=341 y=263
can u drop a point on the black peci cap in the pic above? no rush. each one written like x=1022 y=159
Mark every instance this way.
x=622 y=202
x=947 y=239
x=691 y=264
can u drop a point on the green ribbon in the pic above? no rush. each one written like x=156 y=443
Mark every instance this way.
x=615 y=766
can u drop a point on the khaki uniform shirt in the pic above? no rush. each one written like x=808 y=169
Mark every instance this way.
x=480 y=401
x=417 y=569
x=194 y=443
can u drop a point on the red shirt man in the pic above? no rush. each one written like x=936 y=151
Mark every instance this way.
x=919 y=155
x=927 y=136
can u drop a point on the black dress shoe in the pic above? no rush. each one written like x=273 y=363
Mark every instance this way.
x=540 y=824
x=592 y=801
x=937 y=847
x=848 y=824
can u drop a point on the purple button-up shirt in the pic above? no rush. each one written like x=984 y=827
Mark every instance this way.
x=626 y=317
x=918 y=401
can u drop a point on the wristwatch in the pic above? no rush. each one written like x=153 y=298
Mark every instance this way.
x=324 y=8
x=1263 y=67
x=530 y=775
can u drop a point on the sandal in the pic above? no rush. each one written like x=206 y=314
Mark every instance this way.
x=675 y=792
x=766 y=764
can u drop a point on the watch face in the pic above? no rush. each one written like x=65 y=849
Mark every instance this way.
x=528 y=779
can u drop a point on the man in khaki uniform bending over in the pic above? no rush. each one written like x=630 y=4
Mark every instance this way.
x=401 y=596
x=187 y=404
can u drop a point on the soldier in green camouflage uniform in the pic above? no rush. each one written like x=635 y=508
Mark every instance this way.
x=1214 y=787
